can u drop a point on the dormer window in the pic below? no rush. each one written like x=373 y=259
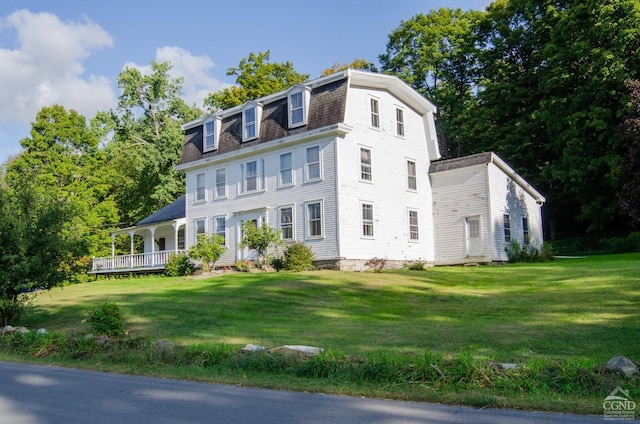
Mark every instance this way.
x=298 y=104
x=251 y=121
x=210 y=134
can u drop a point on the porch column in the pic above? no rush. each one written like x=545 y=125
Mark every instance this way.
x=153 y=245
x=131 y=251
x=175 y=237
x=113 y=251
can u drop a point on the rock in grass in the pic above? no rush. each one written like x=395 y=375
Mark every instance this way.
x=307 y=350
x=8 y=329
x=504 y=367
x=622 y=365
x=252 y=348
x=41 y=331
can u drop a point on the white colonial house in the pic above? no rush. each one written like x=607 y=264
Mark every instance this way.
x=349 y=164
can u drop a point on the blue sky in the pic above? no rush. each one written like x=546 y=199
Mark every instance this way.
x=70 y=52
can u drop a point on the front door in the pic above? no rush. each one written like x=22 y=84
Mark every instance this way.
x=474 y=236
x=247 y=253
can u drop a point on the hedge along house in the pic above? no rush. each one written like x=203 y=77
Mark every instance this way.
x=349 y=165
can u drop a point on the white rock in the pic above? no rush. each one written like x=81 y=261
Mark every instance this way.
x=310 y=350
x=622 y=365
x=41 y=331
x=8 y=329
x=253 y=348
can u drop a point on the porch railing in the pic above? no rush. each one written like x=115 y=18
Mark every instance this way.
x=136 y=261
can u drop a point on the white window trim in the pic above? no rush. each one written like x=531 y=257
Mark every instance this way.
x=415 y=176
x=306 y=220
x=400 y=124
x=214 y=226
x=362 y=221
x=195 y=228
x=216 y=121
x=216 y=196
x=306 y=165
x=258 y=117
x=293 y=220
x=292 y=170
x=412 y=240
x=260 y=177
x=306 y=96
x=361 y=148
x=203 y=187
x=376 y=113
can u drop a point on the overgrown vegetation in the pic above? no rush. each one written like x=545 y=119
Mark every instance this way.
x=107 y=320
x=528 y=252
x=262 y=239
x=415 y=265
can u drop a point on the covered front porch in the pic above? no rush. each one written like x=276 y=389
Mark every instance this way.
x=152 y=241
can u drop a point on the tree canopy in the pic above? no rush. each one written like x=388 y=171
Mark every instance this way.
x=256 y=77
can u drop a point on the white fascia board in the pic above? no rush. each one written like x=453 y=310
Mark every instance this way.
x=339 y=130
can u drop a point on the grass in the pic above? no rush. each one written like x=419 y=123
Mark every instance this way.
x=572 y=313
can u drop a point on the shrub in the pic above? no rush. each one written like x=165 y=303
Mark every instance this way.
x=277 y=263
x=207 y=249
x=528 y=252
x=298 y=257
x=107 y=319
x=261 y=239
x=376 y=264
x=414 y=265
x=178 y=265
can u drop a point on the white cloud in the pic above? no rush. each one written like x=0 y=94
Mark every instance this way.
x=195 y=70
x=46 y=67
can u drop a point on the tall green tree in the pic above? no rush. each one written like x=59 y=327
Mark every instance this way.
x=256 y=77
x=630 y=194
x=356 y=64
x=551 y=99
x=435 y=54
x=38 y=246
x=61 y=160
x=146 y=140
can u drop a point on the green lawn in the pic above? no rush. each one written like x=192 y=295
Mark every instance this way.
x=586 y=308
x=419 y=335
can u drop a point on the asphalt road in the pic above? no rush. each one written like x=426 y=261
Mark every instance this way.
x=32 y=394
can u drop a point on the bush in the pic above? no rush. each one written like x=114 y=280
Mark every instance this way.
x=528 y=252
x=298 y=257
x=107 y=319
x=207 y=249
x=277 y=263
x=376 y=264
x=415 y=265
x=178 y=266
x=243 y=266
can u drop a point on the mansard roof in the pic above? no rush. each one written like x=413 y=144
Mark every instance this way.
x=328 y=98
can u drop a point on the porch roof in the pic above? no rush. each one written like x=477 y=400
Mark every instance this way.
x=175 y=210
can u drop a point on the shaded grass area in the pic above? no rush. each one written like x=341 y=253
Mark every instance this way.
x=560 y=321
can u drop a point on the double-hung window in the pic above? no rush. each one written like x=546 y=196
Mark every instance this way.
x=375 y=113
x=367 y=220
x=220 y=228
x=525 y=230
x=286 y=169
x=201 y=189
x=252 y=176
x=298 y=104
x=210 y=136
x=400 y=122
x=314 y=219
x=286 y=222
x=414 y=234
x=365 y=164
x=221 y=183
x=200 y=227
x=312 y=165
x=412 y=177
x=507 y=227
x=251 y=121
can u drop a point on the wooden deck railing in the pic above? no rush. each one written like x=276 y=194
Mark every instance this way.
x=138 y=261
